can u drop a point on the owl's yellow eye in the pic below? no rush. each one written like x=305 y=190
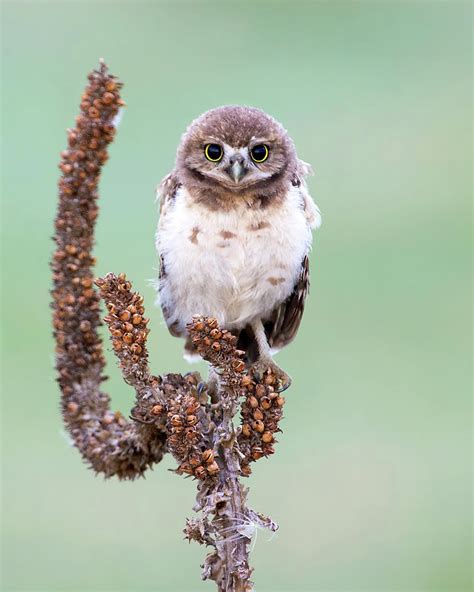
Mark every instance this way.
x=213 y=152
x=259 y=153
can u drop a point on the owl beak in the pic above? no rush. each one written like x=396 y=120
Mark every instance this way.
x=237 y=171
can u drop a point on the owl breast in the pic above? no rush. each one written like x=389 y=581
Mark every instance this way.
x=233 y=265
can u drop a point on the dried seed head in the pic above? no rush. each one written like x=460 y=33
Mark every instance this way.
x=246 y=381
x=200 y=472
x=185 y=467
x=208 y=456
x=211 y=323
x=257 y=452
x=194 y=461
x=128 y=338
x=72 y=407
x=253 y=402
x=192 y=407
x=269 y=379
x=238 y=365
x=213 y=468
x=246 y=430
x=125 y=315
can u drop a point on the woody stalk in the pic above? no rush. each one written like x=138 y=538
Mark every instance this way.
x=172 y=412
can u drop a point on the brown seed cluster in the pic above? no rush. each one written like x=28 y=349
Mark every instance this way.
x=261 y=413
x=187 y=426
x=110 y=443
x=75 y=302
x=126 y=323
x=216 y=345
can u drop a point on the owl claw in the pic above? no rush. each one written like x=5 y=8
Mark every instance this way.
x=267 y=366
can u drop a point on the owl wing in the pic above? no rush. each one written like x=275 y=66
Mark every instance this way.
x=166 y=191
x=286 y=318
x=166 y=194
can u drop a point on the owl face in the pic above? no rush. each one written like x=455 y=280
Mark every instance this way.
x=237 y=149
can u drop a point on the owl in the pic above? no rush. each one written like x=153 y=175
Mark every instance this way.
x=234 y=233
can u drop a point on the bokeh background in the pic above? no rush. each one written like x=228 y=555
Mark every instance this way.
x=371 y=480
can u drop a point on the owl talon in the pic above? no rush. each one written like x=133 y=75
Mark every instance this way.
x=263 y=367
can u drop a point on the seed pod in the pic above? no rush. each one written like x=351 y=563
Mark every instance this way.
x=260 y=390
x=200 y=472
x=257 y=414
x=246 y=381
x=125 y=315
x=194 y=461
x=269 y=379
x=137 y=319
x=253 y=402
x=265 y=403
x=192 y=407
x=280 y=401
x=128 y=338
x=246 y=431
x=107 y=98
x=191 y=420
x=238 y=365
x=212 y=323
x=157 y=409
x=213 y=468
x=72 y=407
x=208 y=456
x=267 y=437
x=258 y=426
x=245 y=470
x=191 y=435
x=186 y=468
x=176 y=420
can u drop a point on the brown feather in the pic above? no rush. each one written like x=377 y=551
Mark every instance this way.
x=286 y=318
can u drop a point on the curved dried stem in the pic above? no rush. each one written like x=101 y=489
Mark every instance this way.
x=109 y=443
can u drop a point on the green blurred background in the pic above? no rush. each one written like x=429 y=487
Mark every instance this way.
x=371 y=480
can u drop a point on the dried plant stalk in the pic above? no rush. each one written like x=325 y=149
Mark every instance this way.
x=106 y=440
x=180 y=414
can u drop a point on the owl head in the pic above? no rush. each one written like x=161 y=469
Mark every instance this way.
x=235 y=152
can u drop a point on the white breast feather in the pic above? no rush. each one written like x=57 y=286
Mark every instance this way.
x=217 y=264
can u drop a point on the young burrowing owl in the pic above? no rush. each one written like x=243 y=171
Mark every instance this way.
x=235 y=232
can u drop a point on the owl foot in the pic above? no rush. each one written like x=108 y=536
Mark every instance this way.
x=264 y=367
